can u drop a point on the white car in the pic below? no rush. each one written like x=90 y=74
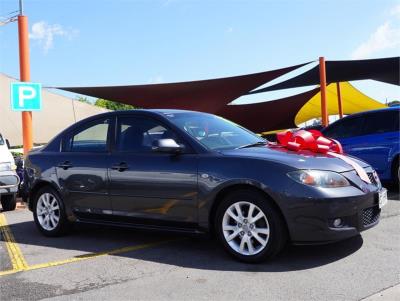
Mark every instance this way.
x=9 y=179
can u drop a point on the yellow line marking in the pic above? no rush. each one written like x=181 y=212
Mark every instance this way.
x=17 y=259
x=95 y=255
x=19 y=263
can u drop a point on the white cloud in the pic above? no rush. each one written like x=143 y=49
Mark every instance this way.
x=229 y=30
x=385 y=37
x=44 y=33
x=156 y=80
x=395 y=11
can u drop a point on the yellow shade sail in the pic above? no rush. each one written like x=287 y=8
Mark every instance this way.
x=353 y=101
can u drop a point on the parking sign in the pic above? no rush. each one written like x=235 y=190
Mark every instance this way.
x=26 y=96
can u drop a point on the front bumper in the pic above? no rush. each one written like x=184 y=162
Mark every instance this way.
x=311 y=220
x=9 y=182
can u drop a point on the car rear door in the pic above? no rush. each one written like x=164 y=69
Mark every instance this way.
x=148 y=187
x=82 y=169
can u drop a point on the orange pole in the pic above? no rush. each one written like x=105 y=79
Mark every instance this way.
x=25 y=76
x=322 y=79
x=339 y=99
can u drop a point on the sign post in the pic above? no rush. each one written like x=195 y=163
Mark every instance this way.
x=26 y=96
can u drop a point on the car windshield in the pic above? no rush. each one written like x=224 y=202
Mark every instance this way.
x=1 y=140
x=214 y=132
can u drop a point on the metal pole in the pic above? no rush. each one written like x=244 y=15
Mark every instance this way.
x=21 y=8
x=322 y=79
x=339 y=98
x=25 y=76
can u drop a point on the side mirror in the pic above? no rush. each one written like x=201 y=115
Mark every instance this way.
x=8 y=144
x=167 y=146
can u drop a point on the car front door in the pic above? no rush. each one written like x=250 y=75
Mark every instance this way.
x=82 y=169
x=348 y=132
x=148 y=186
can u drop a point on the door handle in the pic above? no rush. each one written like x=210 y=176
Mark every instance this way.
x=65 y=165
x=120 y=167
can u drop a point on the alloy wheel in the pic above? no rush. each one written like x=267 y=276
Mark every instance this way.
x=48 y=211
x=245 y=228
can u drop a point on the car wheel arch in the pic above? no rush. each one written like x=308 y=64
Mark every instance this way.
x=395 y=163
x=240 y=186
x=39 y=185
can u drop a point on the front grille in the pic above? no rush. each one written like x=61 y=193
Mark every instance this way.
x=372 y=178
x=370 y=215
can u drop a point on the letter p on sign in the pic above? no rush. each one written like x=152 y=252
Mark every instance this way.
x=26 y=96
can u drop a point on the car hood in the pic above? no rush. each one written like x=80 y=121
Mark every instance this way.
x=299 y=160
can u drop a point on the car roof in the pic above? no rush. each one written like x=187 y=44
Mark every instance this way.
x=393 y=108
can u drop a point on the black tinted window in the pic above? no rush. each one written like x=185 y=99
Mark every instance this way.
x=348 y=127
x=91 y=137
x=381 y=122
x=139 y=134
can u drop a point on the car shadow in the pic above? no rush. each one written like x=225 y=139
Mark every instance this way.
x=183 y=250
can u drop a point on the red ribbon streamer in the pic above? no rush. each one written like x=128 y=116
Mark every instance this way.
x=314 y=141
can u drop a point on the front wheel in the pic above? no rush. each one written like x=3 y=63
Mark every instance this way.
x=249 y=226
x=8 y=202
x=49 y=213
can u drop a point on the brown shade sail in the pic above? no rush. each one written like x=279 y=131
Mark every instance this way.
x=267 y=116
x=204 y=95
x=384 y=70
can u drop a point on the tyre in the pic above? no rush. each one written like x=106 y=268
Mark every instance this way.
x=396 y=173
x=9 y=202
x=49 y=212
x=249 y=226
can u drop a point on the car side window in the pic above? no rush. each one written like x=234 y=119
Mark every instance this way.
x=139 y=134
x=345 y=128
x=91 y=137
x=381 y=122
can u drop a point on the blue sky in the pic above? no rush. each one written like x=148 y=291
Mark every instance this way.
x=84 y=43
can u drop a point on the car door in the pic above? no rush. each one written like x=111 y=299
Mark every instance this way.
x=149 y=187
x=82 y=169
x=378 y=137
x=348 y=132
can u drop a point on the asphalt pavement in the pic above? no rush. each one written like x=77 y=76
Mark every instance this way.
x=102 y=263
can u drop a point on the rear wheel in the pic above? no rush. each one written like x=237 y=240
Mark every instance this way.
x=249 y=226
x=396 y=173
x=9 y=202
x=49 y=213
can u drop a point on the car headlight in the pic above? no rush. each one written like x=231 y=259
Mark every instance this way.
x=319 y=178
x=5 y=166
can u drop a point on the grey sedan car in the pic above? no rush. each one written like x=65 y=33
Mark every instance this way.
x=196 y=172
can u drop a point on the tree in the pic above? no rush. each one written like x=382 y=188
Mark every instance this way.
x=393 y=103
x=84 y=100
x=112 y=105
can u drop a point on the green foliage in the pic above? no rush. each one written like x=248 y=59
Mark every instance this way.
x=393 y=103
x=112 y=105
x=84 y=100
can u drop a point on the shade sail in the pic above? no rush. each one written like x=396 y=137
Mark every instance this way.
x=290 y=112
x=384 y=70
x=204 y=95
x=270 y=115
x=353 y=101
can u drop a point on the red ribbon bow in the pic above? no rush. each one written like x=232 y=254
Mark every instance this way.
x=309 y=140
x=314 y=141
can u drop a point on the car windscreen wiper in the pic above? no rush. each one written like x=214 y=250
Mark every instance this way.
x=258 y=143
